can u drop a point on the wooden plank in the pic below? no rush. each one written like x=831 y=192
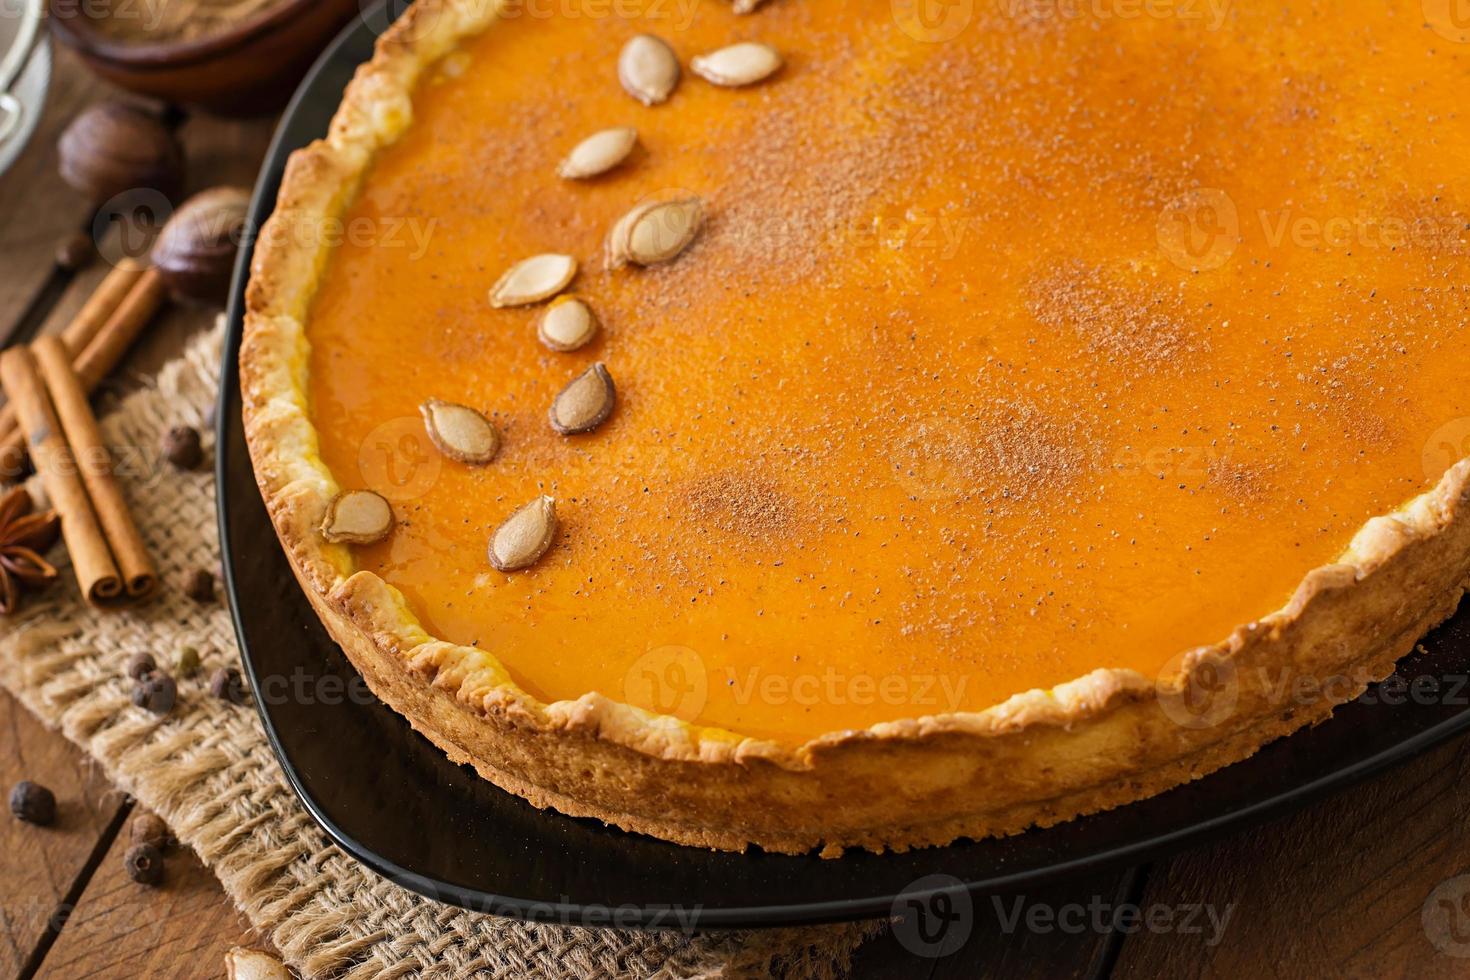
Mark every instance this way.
x=1062 y=932
x=1365 y=884
x=40 y=865
x=40 y=209
x=179 y=929
x=224 y=151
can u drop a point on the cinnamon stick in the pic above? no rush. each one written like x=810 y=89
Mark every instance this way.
x=96 y=572
x=103 y=302
x=102 y=351
x=96 y=360
x=77 y=334
x=95 y=458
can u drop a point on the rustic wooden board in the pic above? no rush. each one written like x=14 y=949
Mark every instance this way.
x=179 y=929
x=39 y=209
x=1339 y=889
x=1046 y=934
x=41 y=865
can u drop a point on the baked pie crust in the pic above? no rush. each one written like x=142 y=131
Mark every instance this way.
x=1034 y=759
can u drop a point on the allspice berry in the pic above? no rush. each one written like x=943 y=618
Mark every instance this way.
x=226 y=685
x=156 y=692
x=140 y=665
x=114 y=147
x=199 y=585
x=149 y=828
x=33 y=803
x=182 y=448
x=196 y=251
x=144 y=863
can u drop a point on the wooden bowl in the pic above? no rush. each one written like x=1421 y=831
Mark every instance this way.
x=248 y=69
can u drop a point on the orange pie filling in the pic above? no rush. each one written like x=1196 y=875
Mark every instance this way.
x=1063 y=342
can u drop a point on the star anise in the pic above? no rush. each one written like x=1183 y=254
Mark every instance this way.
x=24 y=538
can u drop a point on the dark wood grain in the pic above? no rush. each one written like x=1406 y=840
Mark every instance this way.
x=1048 y=934
x=179 y=929
x=39 y=865
x=1337 y=890
x=38 y=209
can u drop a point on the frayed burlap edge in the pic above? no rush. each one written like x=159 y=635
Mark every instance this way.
x=208 y=770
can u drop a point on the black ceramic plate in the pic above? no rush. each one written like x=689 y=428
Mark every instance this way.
x=397 y=804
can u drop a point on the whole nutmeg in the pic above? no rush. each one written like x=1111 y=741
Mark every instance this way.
x=182 y=448
x=114 y=147
x=148 y=828
x=144 y=864
x=33 y=803
x=156 y=692
x=195 y=253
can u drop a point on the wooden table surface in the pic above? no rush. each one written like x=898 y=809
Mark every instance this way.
x=1365 y=884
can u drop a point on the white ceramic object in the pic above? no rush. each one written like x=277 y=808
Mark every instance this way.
x=25 y=73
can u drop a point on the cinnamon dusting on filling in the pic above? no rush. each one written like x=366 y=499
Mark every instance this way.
x=1076 y=297
x=1007 y=452
x=1239 y=481
x=743 y=505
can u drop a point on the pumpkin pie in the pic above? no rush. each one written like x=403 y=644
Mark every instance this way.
x=821 y=426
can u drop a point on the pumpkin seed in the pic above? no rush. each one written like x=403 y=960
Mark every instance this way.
x=357 y=517
x=460 y=432
x=738 y=65
x=525 y=536
x=598 y=153
x=654 y=232
x=533 y=280
x=568 y=324
x=648 y=69
x=584 y=404
x=747 y=6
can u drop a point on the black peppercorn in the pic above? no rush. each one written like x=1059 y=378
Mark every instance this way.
x=225 y=684
x=156 y=692
x=199 y=585
x=140 y=665
x=33 y=803
x=181 y=447
x=148 y=828
x=144 y=863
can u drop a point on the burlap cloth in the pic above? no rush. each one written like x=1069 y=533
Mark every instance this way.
x=207 y=769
